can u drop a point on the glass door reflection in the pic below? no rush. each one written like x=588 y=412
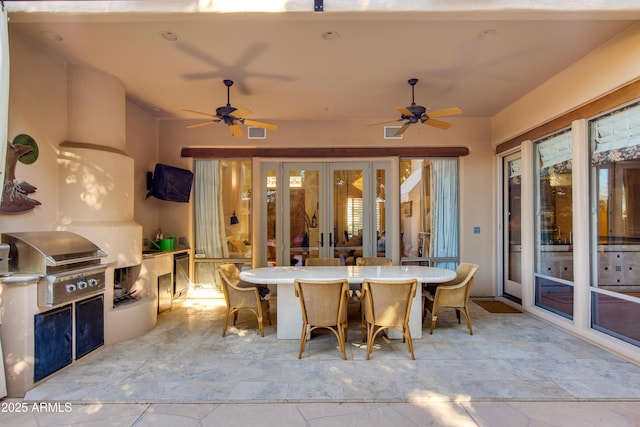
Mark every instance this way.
x=512 y=284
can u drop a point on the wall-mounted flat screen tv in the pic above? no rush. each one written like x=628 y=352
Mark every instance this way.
x=170 y=183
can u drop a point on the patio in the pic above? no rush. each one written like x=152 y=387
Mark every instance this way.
x=510 y=357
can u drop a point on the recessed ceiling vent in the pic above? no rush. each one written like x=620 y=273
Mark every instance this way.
x=390 y=132
x=256 y=133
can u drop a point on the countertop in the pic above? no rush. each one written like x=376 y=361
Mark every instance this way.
x=157 y=252
x=20 y=279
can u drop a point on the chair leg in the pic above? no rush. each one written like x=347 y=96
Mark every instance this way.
x=261 y=325
x=407 y=335
x=226 y=323
x=434 y=319
x=303 y=340
x=235 y=317
x=266 y=309
x=341 y=341
x=466 y=314
x=458 y=314
x=370 y=340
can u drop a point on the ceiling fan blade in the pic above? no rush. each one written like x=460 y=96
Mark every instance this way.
x=446 y=112
x=235 y=130
x=404 y=111
x=240 y=113
x=438 y=123
x=210 y=122
x=200 y=112
x=402 y=129
x=259 y=124
x=382 y=123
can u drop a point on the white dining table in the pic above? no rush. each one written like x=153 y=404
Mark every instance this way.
x=288 y=308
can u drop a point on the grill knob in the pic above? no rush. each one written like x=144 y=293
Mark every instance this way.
x=93 y=282
x=82 y=284
x=70 y=287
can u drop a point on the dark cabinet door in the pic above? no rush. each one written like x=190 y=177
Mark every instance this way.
x=53 y=341
x=89 y=325
x=165 y=292
x=180 y=275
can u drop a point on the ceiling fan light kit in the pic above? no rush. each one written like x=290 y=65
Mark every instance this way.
x=231 y=116
x=418 y=114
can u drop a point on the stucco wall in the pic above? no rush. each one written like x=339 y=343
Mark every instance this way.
x=142 y=146
x=613 y=65
x=37 y=107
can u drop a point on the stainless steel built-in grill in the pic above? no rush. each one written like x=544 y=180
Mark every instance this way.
x=68 y=263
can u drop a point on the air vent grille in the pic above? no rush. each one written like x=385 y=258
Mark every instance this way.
x=256 y=133
x=390 y=132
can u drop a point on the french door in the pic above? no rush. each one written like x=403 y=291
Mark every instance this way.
x=512 y=253
x=331 y=210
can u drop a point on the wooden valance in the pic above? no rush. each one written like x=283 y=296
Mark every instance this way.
x=607 y=102
x=356 y=152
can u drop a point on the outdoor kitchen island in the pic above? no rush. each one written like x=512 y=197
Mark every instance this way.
x=52 y=306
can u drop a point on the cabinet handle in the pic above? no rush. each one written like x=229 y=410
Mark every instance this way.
x=322 y=240
x=330 y=239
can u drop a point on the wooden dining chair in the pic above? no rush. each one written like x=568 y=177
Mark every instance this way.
x=323 y=305
x=454 y=294
x=241 y=298
x=322 y=262
x=387 y=305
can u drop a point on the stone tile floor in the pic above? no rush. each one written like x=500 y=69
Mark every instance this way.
x=516 y=370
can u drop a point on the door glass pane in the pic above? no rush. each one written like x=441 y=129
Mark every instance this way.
x=348 y=215
x=272 y=199
x=513 y=244
x=380 y=213
x=554 y=225
x=303 y=205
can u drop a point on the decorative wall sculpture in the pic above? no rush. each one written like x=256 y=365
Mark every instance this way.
x=15 y=194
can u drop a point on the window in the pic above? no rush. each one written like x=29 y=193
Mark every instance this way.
x=429 y=217
x=554 y=224
x=615 y=199
x=222 y=213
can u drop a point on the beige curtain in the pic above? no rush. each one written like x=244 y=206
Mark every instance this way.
x=210 y=233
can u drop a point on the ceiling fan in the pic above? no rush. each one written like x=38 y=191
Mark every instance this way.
x=417 y=113
x=231 y=116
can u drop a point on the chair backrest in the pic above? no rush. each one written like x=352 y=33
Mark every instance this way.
x=388 y=303
x=231 y=272
x=373 y=261
x=456 y=292
x=323 y=303
x=322 y=261
x=234 y=296
x=462 y=273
